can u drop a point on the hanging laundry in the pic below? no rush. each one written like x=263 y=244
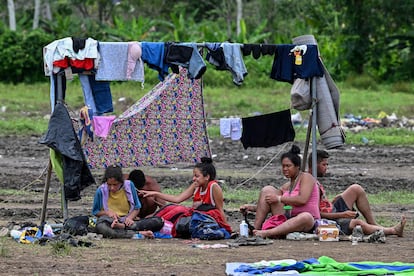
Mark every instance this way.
x=165 y=126
x=228 y=57
x=328 y=119
x=64 y=48
x=134 y=56
x=102 y=125
x=102 y=95
x=231 y=128
x=267 y=130
x=257 y=50
x=113 y=63
x=87 y=93
x=85 y=129
x=62 y=138
x=286 y=66
x=185 y=55
x=153 y=54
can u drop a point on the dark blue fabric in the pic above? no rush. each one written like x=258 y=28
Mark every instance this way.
x=204 y=227
x=102 y=95
x=153 y=54
x=388 y=267
x=285 y=69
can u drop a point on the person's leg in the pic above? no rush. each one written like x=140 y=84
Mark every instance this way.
x=148 y=207
x=263 y=208
x=103 y=226
x=303 y=222
x=355 y=194
x=367 y=228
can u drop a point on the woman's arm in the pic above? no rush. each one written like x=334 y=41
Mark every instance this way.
x=172 y=198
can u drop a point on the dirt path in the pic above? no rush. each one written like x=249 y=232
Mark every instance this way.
x=22 y=168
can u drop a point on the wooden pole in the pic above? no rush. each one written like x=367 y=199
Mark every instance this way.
x=46 y=193
x=305 y=151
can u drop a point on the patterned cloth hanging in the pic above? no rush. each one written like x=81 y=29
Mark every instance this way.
x=166 y=126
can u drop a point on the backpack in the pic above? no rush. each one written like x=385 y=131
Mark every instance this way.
x=76 y=226
x=204 y=227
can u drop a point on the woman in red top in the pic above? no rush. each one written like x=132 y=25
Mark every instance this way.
x=206 y=193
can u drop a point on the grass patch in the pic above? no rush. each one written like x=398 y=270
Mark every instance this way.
x=11 y=192
x=4 y=251
x=400 y=197
x=61 y=248
x=382 y=136
x=234 y=198
x=25 y=108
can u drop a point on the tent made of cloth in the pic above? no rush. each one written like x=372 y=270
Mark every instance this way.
x=165 y=126
x=168 y=124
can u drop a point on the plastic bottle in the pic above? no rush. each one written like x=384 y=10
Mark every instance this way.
x=48 y=231
x=138 y=236
x=15 y=234
x=288 y=211
x=244 y=229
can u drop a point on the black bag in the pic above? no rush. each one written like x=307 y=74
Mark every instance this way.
x=152 y=223
x=182 y=227
x=76 y=226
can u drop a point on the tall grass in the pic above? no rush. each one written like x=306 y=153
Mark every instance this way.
x=25 y=109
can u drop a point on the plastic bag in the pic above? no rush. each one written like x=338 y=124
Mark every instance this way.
x=300 y=95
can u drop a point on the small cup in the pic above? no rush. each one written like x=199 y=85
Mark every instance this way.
x=288 y=211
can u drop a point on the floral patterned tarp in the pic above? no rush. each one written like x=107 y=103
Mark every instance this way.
x=166 y=126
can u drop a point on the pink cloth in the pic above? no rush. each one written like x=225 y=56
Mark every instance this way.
x=102 y=125
x=273 y=221
x=312 y=206
x=134 y=53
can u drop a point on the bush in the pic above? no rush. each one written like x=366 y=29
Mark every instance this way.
x=21 y=56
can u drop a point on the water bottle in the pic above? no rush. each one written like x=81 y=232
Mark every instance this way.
x=15 y=234
x=244 y=229
x=138 y=236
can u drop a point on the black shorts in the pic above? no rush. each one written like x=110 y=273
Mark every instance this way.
x=340 y=206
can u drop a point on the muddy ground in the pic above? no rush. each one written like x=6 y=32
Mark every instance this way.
x=23 y=167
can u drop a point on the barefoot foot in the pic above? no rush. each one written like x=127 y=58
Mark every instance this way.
x=399 y=228
x=259 y=233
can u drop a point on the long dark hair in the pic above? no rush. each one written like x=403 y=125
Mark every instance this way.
x=206 y=167
x=113 y=171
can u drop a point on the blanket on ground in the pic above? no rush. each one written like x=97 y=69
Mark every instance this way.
x=320 y=266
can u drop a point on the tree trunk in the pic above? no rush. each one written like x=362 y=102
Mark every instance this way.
x=12 y=15
x=47 y=11
x=36 y=14
x=239 y=16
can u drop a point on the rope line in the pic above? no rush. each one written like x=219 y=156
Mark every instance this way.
x=267 y=164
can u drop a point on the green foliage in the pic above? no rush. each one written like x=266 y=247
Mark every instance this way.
x=21 y=56
x=404 y=87
x=352 y=38
x=361 y=82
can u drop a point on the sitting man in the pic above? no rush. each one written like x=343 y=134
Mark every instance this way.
x=342 y=210
x=143 y=182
